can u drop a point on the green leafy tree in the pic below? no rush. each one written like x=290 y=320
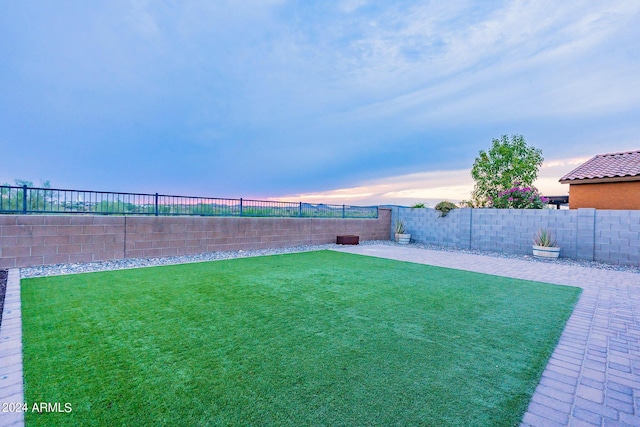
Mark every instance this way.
x=509 y=161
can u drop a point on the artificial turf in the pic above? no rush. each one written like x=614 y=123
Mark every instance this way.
x=317 y=338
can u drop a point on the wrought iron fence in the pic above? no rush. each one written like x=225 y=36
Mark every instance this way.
x=33 y=200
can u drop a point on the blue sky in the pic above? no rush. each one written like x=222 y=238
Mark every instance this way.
x=349 y=101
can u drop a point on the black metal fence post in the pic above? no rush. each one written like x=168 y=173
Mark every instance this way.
x=343 y=213
x=156 y=204
x=24 y=199
x=240 y=206
x=300 y=210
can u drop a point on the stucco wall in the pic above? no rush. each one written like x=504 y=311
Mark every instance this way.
x=609 y=195
x=29 y=240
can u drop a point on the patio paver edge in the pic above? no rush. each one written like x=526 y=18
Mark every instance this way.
x=11 y=374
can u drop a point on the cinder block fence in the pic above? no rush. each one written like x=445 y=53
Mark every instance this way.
x=30 y=240
x=611 y=236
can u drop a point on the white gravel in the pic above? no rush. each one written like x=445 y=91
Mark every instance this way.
x=59 y=269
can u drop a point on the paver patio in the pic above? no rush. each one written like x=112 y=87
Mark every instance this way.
x=592 y=378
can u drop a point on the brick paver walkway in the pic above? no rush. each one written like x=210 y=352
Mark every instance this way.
x=11 y=391
x=593 y=376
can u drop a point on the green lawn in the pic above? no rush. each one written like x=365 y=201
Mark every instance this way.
x=309 y=339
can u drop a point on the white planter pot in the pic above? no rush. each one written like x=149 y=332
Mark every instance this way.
x=545 y=252
x=403 y=239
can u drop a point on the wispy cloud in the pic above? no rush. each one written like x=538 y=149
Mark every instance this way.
x=401 y=190
x=432 y=187
x=482 y=71
x=277 y=97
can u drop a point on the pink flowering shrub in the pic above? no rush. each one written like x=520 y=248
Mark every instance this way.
x=519 y=198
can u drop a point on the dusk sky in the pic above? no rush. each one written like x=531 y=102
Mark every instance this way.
x=355 y=101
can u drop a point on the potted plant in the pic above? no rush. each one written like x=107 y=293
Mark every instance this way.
x=545 y=245
x=402 y=236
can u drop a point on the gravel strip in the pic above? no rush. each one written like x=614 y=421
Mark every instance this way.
x=559 y=261
x=58 y=269
x=88 y=267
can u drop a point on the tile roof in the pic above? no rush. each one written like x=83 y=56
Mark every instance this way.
x=612 y=165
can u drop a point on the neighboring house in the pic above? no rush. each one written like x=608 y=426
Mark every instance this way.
x=607 y=181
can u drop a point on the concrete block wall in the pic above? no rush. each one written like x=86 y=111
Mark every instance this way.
x=590 y=234
x=512 y=230
x=40 y=239
x=617 y=237
x=30 y=240
x=169 y=236
x=325 y=230
x=394 y=218
x=426 y=226
x=586 y=234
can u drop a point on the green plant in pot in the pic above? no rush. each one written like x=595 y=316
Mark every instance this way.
x=545 y=245
x=402 y=237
